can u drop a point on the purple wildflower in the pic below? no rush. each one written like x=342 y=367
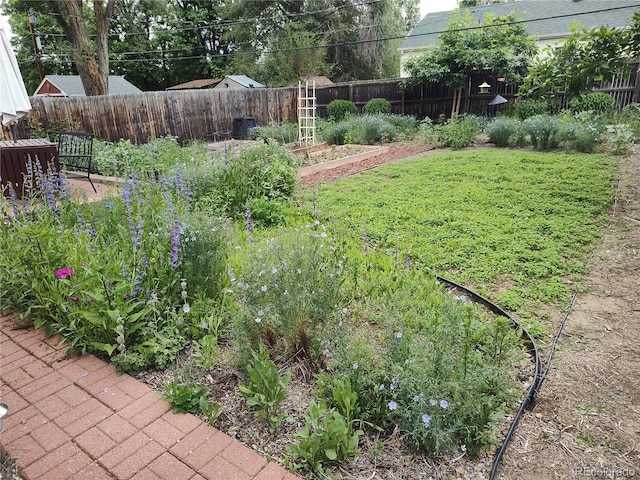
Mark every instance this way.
x=64 y=272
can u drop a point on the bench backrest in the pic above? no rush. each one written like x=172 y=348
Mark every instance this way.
x=75 y=150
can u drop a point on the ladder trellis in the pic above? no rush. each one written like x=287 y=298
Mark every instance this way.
x=307 y=114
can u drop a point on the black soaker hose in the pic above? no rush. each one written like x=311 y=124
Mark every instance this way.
x=533 y=351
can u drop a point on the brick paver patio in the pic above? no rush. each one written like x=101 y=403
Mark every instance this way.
x=75 y=418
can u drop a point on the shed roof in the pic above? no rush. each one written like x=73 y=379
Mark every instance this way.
x=200 y=83
x=544 y=19
x=245 y=81
x=71 y=85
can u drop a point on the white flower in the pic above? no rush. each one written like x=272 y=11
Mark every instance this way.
x=258 y=320
x=355 y=366
x=186 y=308
x=392 y=405
x=444 y=404
x=398 y=334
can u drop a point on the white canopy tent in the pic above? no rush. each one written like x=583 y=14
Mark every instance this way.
x=14 y=100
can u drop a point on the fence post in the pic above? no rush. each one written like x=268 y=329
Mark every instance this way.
x=636 y=90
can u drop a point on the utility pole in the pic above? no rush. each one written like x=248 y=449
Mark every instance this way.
x=36 y=43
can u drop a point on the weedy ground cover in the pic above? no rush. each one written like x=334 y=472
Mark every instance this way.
x=520 y=220
x=213 y=261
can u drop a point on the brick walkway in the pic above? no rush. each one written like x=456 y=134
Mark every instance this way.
x=74 y=418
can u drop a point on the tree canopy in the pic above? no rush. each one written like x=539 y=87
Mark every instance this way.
x=159 y=43
x=496 y=46
x=585 y=57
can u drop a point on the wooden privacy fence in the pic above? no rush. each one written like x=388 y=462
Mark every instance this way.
x=201 y=114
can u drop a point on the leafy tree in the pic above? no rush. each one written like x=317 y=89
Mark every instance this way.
x=191 y=40
x=587 y=56
x=78 y=21
x=476 y=3
x=297 y=54
x=496 y=46
x=56 y=56
x=134 y=46
x=359 y=39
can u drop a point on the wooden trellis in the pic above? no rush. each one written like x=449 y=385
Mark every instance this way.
x=307 y=114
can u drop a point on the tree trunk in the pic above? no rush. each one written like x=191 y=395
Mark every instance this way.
x=455 y=106
x=93 y=69
x=103 y=14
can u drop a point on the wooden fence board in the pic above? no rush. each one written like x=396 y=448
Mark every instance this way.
x=196 y=114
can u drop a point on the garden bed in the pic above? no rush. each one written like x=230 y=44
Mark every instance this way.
x=338 y=156
x=392 y=332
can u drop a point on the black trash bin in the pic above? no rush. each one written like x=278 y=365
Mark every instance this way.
x=241 y=127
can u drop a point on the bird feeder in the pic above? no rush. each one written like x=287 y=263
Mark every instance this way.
x=484 y=87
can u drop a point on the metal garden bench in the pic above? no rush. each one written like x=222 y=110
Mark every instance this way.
x=75 y=151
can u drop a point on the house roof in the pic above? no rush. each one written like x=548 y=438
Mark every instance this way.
x=320 y=80
x=245 y=81
x=200 y=83
x=544 y=19
x=71 y=86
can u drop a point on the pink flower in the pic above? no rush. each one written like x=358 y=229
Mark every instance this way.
x=64 y=272
x=74 y=298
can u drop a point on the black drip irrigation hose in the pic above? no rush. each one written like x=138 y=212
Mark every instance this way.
x=533 y=351
x=555 y=343
x=538 y=378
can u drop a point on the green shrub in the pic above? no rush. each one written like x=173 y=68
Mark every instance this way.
x=264 y=171
x=288 y=287
x=325 y=439
x=339 y=109
x=286 y=132
x=266 y=390
x=544 y=131
x=458 y=132
x=619 y=139
x=502 y=131
x=377 y=105
x=339 y=134
x=523 y=109
x=596 y=102
x=585 y=138
x=160 y=156
x=370 y=129
x=406 y=126
x=267 y=213
x=630 y=115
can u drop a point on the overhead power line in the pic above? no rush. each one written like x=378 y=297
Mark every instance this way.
x=374 y=40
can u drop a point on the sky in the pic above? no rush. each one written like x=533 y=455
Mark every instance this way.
x=428 y=6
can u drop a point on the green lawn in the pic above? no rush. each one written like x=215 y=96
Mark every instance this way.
x=512 y=221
